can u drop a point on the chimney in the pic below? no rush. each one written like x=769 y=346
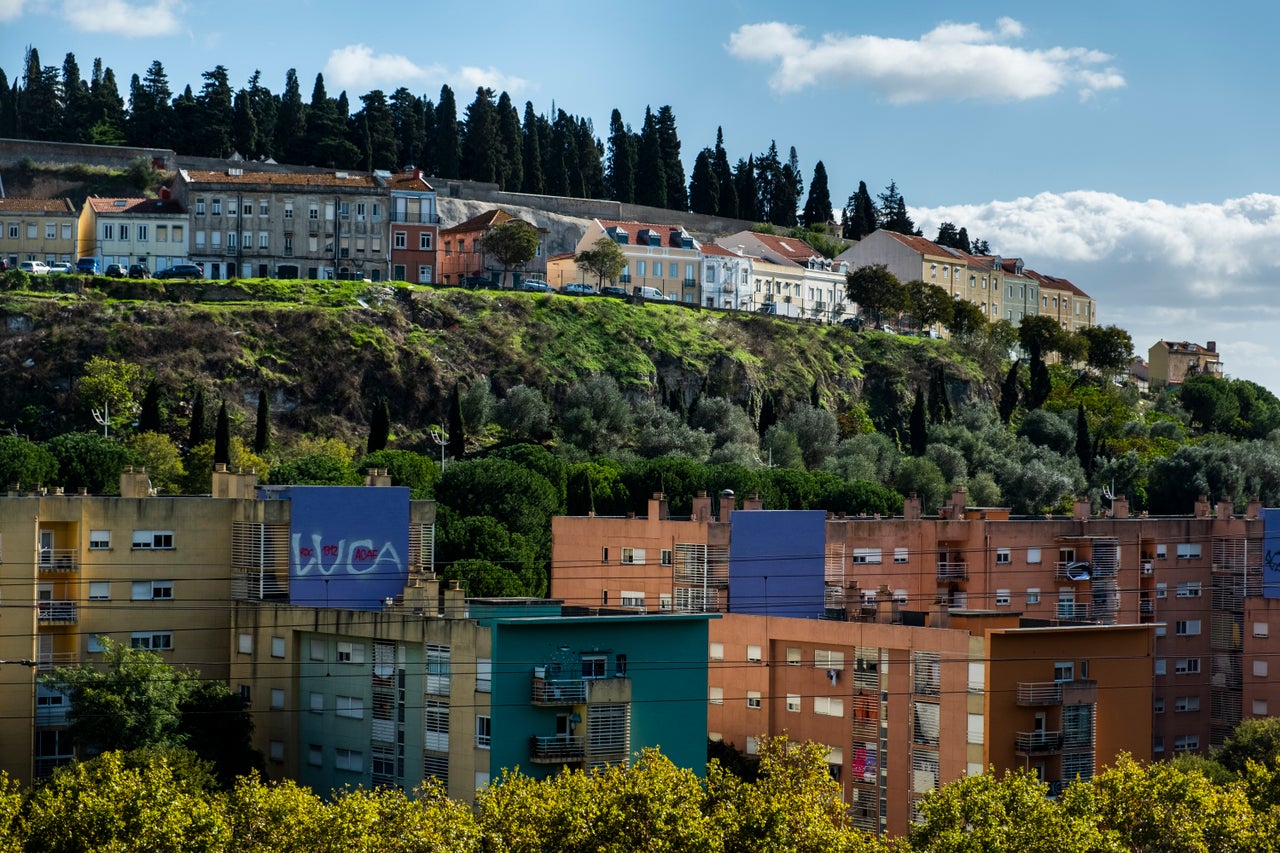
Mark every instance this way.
x=959 y=500
x=1202 y=507
x=1226 y=507
x=886 y=607
x=701 y=506
x=658 y=507
x=134 y=482
x=233 y=484
x=1082 y=509
x=939 y=614
x=422 y=595
x=1120 y=507
x=1254 y=510
x=911 y=507
x=753 y=501
x=1211 y=346
x=455 y=601
x=377 y=477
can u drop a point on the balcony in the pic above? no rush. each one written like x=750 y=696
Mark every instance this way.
x=1072 y=570
x=1146 y=606
x=57 y=612
x=559 y=691
x=1039 y=693
x=59 y=560
x=557 y=749
x=1037 y=743
x=420 y=219
x=1147 y=568
x=953 y=570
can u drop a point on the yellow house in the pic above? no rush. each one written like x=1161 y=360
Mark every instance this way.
x=37 y=229
x=663 y=257
x=1171 y=362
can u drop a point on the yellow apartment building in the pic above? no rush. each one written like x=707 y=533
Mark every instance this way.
x=37 y=229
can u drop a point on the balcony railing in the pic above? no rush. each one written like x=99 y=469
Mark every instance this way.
x=1073 y=570
x=421 y=219
x=1037 y=743
x=557 y=749
x=559 y=691
x=47 y=663
x=1039 y=693
x=59 y=560
x=57 y=612
x=953 y=570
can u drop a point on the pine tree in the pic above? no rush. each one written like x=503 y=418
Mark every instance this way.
x=290 y=134
x=222 y=437
x=768 y=173
x=262 y=430
x=533 y=180
x=377 y=126
x=859 y=214
x=620 y=174
x=1009 y=394
x=962 y=240
x=406 y=120
x=918 y=427
x=704 y=189
x=427 y=143
x=817 y=207
x=651 y=178
x=724 y=179
x=893 y=211
x=672 y=167
x=448 y=141
x=379 y=427
x=77 y=117
x=39 y=101
x=511 y=176
x=264 y=107
x=195 y=435
x=217 y=110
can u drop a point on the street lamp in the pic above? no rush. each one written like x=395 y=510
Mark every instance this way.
x=440 y=437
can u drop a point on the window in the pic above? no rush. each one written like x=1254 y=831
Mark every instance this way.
x=1189 y=551
x=828 y=706
x=1162 y=590
x=715 y=695
x=716 y=651
x=484 y=734
x=1003 y=557
x=315 y=755
x=351 y=707
x=1162 y=552
x=640 y=267
x=99 y=590
x=124 y=231
x=264 y=207
x=162 y=233
x=754 y=654
x=1033 y=595
x=1188 y=589
x=828 y=659
x=51 y=231
x=317 y=703
x=152 y=540
x=1186 y=666
x=1186 y=703
x=793 y=657
x=665 y=556
x=264 y=240
x=793 y=703
x=350 y=652
x=152 y=590
x=348 y=759
x=152 y=640
x=866 y=556
x=604 y=555
x=1157 y=744
x=13 y=230
x=753 y=698
x=95 y=643
x=1260 y=707
x=1261 y=629
x=288 y=210
x=424 y=241
x=142 y=234
x=277 y=699
x=313 y=212
x=1160 y=666
x=1002 y=598
x=633 y=556
x=247 y=208
x=1186 y=743
x=594 y=666
x=1064 y=671
x=244 y=644
x=199 y=207
x=1186 y=627
x=399 y=240
x=1157 y=705
x=1260 y=668
x=900 y=555
x=317 y=650
x=753 y=745
x=108 y=231
x=276 y=750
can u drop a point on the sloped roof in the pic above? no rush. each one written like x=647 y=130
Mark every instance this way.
x=134 y=206
x=497 y=216
x=633 y=228
x=37 y=205
x=717 y=249
x=789 y=247
x=282 y=179
x=409 y=181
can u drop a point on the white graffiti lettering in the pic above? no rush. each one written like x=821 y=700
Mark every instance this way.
x=344 y=557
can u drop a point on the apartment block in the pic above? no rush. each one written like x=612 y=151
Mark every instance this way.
x=664 y=257
x=124 y=231
x=815 y=289
x=415 y=228
x=38 y=229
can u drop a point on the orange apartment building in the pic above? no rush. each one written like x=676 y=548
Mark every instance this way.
x=415 y=227
x=462 y=254
x=1158 y=624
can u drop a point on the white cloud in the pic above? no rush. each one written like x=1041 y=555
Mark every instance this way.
x=952 y=61
x=471 y=78
x=1196 y=272
x=357 y=67
x=10 y=10
x=122 y=18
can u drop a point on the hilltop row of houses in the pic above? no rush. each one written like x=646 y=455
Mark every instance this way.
x=240 y=223
x=917 y=649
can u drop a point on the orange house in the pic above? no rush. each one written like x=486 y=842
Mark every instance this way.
x=462 y=255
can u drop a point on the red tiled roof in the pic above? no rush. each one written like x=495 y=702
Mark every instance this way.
x=1054 y=283
x=283 y=179
x=37 y=205
x=789 y=247
x=560 y=256
x=133 y=206
x=925 y=247
x=497 y=216
x=633 y=228
x=717 y=249
x=409 y=181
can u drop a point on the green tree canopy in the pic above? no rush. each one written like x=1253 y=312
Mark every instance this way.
x=877 y=291
x=604 y=260
x=513 y=243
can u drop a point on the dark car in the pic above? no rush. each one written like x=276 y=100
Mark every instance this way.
x=579 y=289
x=114 y=271
x=139 y=271
x=477 y=281
x=615 y=291
x=187 y=271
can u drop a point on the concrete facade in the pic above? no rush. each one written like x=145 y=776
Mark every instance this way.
x=415 y=228
x=124 y=231
x=34 y=229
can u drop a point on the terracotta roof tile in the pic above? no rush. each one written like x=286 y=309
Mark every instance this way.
x=497 y=216
x=37 y=205
x=409 y=181
x=356 y=180
x=633 y=228
x=133 y=206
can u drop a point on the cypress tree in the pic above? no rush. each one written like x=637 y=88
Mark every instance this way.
x=704 y=189
x=817 y=207
x=149 y=416
x=196 y=434
x=744 y=181
x=532 y=180
x=1041 y=384
x=672 y=167
x=919 y=429
x=290 y=144
x=379 y=427
x=457 y=435
x=651 y=178
x=262 y=435
x=448 y=142
x=1084 y=447
x=512 y=177
x=620 y=176
x=1009 y=393
x=724 y=177
x=222 y=437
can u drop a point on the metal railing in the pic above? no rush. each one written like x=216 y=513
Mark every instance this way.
x=953 y=570
x=1028 y=743
x=557 y=748
x=57 y=612
x=59 y=560
x=559 y=691
x=1039 y=693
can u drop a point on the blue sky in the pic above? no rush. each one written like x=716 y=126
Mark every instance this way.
x=1129 y=147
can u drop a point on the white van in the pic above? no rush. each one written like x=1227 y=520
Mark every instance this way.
x=651 y=293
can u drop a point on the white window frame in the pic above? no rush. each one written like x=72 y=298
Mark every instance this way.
x=153 y=641
x=152 y=591
x=1003 y=598
x=828 y=706
x=99 y=540
x=1186 y=627
x=866 y=556
x=1004 y=556
x=277 y=699
x=277 y=647
x=755 y=654
x=1188 y=589
x=1033 y=595
x=1186 y=704
x=99 y=590
x=715 y=695
x=633 y=556
x=1186 y=666
x=152 y=540
x=753 y=699
x=828 y=659
x=484 y=731
x=351 y=760
x=244 y=644
x=350 y=652
x=351 y=707
x=901 y=555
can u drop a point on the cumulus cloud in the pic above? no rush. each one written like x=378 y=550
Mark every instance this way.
x=10 y=10
x=952 y=61
x=1196 y=272
x=471 y=78
x=122 y=18
x=356 y=66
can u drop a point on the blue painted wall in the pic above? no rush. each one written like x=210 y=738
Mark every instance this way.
x=777 y=562
x=1270 y=552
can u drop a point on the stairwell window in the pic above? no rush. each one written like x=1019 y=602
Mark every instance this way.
x=1003 y=556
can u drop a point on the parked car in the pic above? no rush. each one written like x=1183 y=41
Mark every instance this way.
x=535 y=285
x=854 y=323
x=651 y=293
x=34 y=267
x=61 y=268
x=187 y=271
x=768 y=308
x=114 y=271
x=88 y=266
x=139 y=271
x=884 y=327
x=4 y=265
x=579 y=289
x=615 y=291
x=477 y=281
